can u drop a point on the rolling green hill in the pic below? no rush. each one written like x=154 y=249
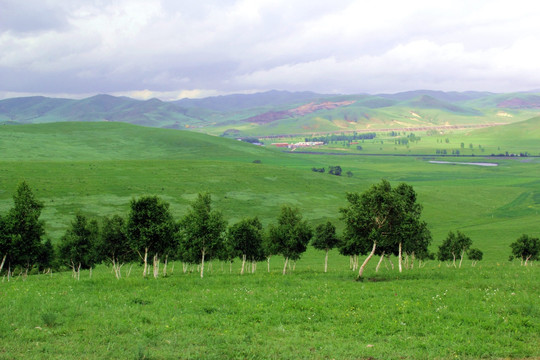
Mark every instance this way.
x=97 y=168
x=282 y=112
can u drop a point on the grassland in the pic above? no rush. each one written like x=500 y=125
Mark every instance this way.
x=490 y=311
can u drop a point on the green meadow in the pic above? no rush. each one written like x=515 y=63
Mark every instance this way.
x=487 y=311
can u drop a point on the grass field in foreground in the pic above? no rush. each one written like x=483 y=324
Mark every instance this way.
x=489 y=311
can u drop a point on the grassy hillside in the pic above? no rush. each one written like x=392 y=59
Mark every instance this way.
x=99 y=167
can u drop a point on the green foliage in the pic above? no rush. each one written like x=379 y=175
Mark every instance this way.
x=114 y=243
x=382 y=218
x=335 y=170
x=21 y=231
x=455 y=244
x=291 y=235
x=475 y=254
x=325 y=237
x=79 y=245
x=150 y=227
x=525 y=248
x=202 y=232
x=411 y=231
x=247 y=236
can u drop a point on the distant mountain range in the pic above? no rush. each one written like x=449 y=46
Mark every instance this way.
x=282 y=112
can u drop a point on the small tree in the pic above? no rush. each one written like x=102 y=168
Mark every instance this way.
x=291 y=235
x=246 y=238
x=372 y=219
x=475 y=255
x=79 y=246
x=335 y=170
x=114 y=244
x=23 y=231
x=151 y=230
x=202 y=232
x=526 y=248
x=454 y=245
x=325 y=238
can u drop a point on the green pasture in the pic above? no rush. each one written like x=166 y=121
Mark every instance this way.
x=434 y=312
x=97 y=168
x=429 y=312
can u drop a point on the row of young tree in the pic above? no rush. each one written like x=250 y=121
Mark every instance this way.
x=381 y=221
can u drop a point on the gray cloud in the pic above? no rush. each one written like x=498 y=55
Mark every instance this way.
x=171 y=48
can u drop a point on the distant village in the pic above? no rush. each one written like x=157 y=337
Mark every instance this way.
x=299 y=144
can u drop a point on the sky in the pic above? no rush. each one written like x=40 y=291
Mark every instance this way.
x=172 y=49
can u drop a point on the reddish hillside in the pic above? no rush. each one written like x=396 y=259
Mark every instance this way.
x=299 y=111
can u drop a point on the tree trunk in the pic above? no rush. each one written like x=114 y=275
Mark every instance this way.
x=362 y=268
x=202 y=263
x=2 y=264
x=527 y=259
x=326 y=261
x=156 y=266
x=407 y=261
x=461 y=260
x=268 y=263
x=165 y=265
x=285 y=266
x=379 y=263
x=400 y=258
x=145 y=262
x=243 y=264
x=454 y=262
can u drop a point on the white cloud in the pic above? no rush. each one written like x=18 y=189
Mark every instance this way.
x=228 y=46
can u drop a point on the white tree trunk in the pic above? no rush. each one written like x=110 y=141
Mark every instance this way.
x=362 y=268
x=527 y=259
x=461 y=260
x=145 y=262
x=379 y=263
x=243 y=264
x=155 y=264
x=202 y=264
x=400 y=258
x=3 y=262
x=326 y=261
x=268 y=263
x=285 y=265
x=165 y=265
x=454 y=262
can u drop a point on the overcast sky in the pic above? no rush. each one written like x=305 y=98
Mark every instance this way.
x=194 y=48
